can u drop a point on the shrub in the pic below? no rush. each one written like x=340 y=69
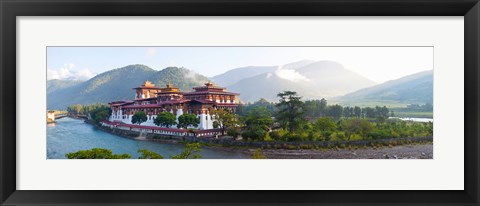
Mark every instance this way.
x=258 y=155
x=315 y=136
x=254 y=135
x=327 y=136
x=341 y=137
x=147 y=154
x=191 y=152
x=234 y=132
x=278 y=135
x=96 y=153
x=267 y=137
x=293 y=137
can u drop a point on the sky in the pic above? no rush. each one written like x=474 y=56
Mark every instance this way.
x=378 y=64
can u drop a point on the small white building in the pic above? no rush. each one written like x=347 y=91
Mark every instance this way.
x=51 y=116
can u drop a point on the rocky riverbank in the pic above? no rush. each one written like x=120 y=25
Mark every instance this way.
x=412 y=151
x=409 y=148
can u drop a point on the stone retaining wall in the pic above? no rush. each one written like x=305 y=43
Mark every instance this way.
x=317 y=144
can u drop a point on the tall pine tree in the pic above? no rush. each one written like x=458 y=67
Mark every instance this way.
x=291 y=111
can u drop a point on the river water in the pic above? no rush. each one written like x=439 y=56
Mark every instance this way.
x=413 y=119
x=70 y=135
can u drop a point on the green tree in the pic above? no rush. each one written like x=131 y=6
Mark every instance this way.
x=381 y=113
x=75 y=109
x=369 y=112
x=165 y=119
x=96 y=153
x=97 y=112
x=186 y=120
x=190 y=152
x=326 y=126
x=335 y=111
x=357 y=112
x=101 y=115
x=322 y=107
x=257 y=123
x=224 y=119
x=139 y=117
x=147 y=154
x=290 y=111
x=356 y=126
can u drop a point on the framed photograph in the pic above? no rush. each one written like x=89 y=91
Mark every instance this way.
x=239 y=103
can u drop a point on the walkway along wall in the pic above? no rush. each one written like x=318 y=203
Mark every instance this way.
x=161 y=130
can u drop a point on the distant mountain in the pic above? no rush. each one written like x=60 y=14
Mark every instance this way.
x=56 y=84
x=235 y=75
x=312 y=80
x=412 y=89
x=117 y=84
x=297 y=64
x=265 y=86
x=329 y=78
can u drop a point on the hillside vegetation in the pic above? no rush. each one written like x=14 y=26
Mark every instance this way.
x=412 y=89
x=117 y=84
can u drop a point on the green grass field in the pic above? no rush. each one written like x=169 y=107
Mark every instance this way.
x=399 y=108
x=414 y=114
x=389 y=104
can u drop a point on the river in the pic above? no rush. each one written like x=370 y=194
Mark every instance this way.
x=70 y=135
x=413 y=119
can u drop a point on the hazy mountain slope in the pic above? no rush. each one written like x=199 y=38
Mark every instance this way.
x=233 y=76
x=265 y=86
x=180 y=77
x=56 y=84
x=330 y=78
x=313 y=81
x=415 y=88
x=117 y=84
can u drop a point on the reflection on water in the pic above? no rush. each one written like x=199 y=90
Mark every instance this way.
x=71 y=135
x=413 y=119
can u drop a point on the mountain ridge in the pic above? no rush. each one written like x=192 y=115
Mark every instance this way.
x=310 y=79
x=314 y=80
x=415 y=88
x=117 y=84
x=58 y=84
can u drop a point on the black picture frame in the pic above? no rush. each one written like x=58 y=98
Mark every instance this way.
x=10 y=9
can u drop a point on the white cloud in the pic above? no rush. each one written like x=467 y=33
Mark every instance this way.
x=84 y=74
x=191 y=74
x=67 y=73
x=151 y=52
x=290 y=74
x=64 y=73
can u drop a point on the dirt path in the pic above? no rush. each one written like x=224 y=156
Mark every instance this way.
x=417 y=151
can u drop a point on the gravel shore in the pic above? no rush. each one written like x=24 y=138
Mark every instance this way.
x=416 y=151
